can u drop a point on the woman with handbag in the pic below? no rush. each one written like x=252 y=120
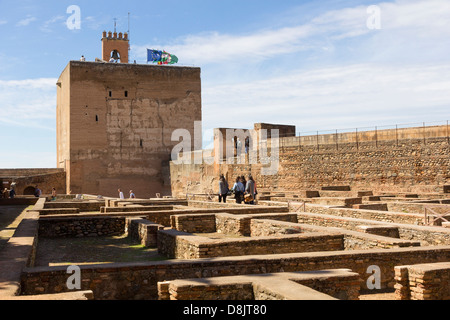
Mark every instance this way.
x=250 y=191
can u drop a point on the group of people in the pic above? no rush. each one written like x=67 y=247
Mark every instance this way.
x=9 y=194
x=243 y=190
x=121 y=195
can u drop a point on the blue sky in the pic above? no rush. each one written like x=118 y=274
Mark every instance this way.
x=319 y=65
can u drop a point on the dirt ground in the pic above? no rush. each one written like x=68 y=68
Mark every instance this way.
x=82 y=251
x=10 y=217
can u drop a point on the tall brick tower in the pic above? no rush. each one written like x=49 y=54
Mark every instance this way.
x=115 y=45
x=115 y=122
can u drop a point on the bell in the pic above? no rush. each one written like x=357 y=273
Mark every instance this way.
x=115 y=55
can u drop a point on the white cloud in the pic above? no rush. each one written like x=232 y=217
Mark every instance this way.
x=47 y=26
x=29 y=103
x=335 y=97
x=407 y=19
x=25 y=22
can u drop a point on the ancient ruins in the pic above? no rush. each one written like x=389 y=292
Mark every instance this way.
x=346 y=216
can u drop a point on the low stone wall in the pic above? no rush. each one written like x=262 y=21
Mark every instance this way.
x=143 y=231
x=57 y=211
x=374 y=206
x=385 y=231
x=139 y=281
x=19 y=201
x=81 y=227
x=83 y=206
x=240 y=225
x=180 y=245
x=335 y=201
x=194 y=223
x=383 y=216
x=419 y=208
x=423 y=282
x=135 y=208
x=426 y=235
x=320 y=285
x=262 y=228
x=354 y=240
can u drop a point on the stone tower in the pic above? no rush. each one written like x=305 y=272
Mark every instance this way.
x=115 y=122
x=115 y=45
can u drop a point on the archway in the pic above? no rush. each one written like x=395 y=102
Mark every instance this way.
x=29 y=191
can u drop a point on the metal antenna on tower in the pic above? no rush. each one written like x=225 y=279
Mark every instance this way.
x=115 y=24
x=129 y=47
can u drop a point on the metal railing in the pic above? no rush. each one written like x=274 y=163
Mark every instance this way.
x=423 y=131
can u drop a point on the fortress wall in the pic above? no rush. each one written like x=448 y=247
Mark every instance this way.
x=386 y=166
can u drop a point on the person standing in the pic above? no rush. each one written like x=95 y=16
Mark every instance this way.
x=12 y=193
x=223 y=189
x=53 y=194
x=250 y=189
x=121 y=196
x=132 y=195
x=37 y=192
x=238 y=189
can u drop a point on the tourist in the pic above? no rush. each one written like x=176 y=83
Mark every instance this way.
x=244 y=182
x=53 y=194
x=238 y=189
x=121 y=196
x=250 y=190
x=6 y=193
x=132 y=195
x=37 y=192
x=12 y=193
x=223 y=189
x=83 y=59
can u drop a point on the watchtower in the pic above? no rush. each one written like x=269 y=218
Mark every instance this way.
x=115 y=46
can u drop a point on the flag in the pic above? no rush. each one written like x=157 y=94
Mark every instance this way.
x=161 y=57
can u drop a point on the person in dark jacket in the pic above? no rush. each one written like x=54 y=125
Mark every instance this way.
x=250 y=189
x=223 y=189
x=238 y=189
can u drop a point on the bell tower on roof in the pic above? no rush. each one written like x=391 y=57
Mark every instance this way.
x=115 y=46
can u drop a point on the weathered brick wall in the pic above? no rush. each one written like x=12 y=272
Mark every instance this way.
x=272 y=228
x=139 y=281
x=233 y=224
x=240 y=225
x=323 y=285
x=143 y=231
x=194 y=223
x=81 y=227
x=424 y=234
x=180 y=245
x=382 y=216
x=412 y=166
x=84 y=206
x=423 y=282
